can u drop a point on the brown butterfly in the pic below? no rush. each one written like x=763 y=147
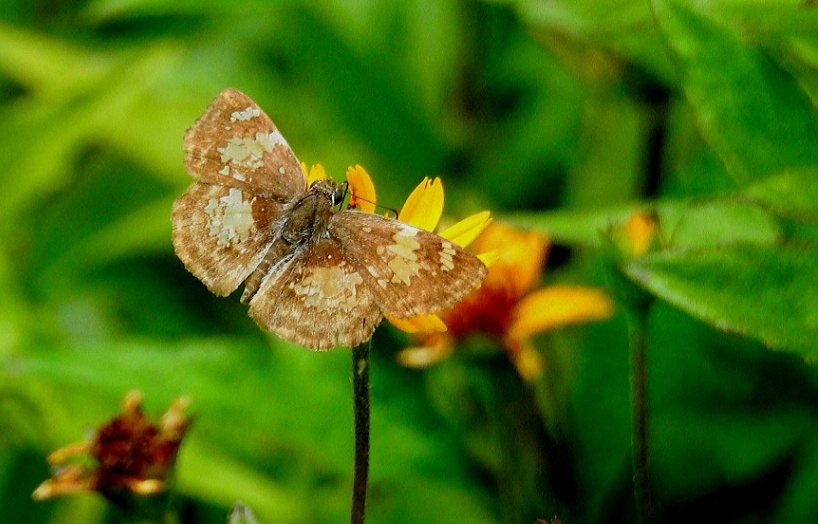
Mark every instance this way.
x=313 y=275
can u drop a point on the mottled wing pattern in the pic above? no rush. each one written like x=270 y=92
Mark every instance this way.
x=411 y=271
x=221 y=233
x=235 y=143
x=317 y=298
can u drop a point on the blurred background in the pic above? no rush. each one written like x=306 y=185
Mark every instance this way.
x=559 y=116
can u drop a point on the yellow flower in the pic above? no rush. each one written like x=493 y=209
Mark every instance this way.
x=361 y=188
x=641 y=232
x=316 y=172
x=507 y=307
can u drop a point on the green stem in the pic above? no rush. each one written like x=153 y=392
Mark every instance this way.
x=639 y=408
x=360 y=391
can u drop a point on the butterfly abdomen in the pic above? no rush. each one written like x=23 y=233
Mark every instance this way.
x=278 y=252
x=306 y=221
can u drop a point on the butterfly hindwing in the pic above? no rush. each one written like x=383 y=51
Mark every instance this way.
x=411 y=271
x=235 y=143
x=221 y=233
x=317 y=298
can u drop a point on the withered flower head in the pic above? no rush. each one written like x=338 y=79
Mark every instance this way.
x=128 y=454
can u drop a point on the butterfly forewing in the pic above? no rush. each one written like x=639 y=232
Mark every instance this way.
x=318 y=298
x=411 y=271
x=235 y=143
x=221 y=233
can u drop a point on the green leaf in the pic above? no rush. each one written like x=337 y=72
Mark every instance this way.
x=767 y=20
x=585 y=226
x=752 y=112
x=49 y=65
x=140 y=232
x=702 y=371
x=40 y=149
x=721 y=222
x=685 y=224
x=791 y=194
x=763 y=292
x=624 y=28
x=199 y=465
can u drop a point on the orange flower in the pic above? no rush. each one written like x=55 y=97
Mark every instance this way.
x=507 y=307
x=129 y=453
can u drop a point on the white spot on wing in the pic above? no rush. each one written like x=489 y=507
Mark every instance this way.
x=243 y=116
x=277 y=138
x=231 y=218
x=248 y=152
x=404 y=263
x=329 y=288
x=446 y=253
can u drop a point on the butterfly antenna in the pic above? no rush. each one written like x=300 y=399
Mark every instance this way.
x=346 y=192
x=354 y=199
x=389 y=210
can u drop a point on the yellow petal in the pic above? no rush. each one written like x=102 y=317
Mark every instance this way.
x=418 y=324
x=362 y=188
x=558 y=306
x=424 y=206
x=427 y=355
x=316 y=172
x=640 y=229
x=490 y=257
x=528 y=361
x=465 y=231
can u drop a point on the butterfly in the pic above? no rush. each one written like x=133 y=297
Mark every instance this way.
x=313 y=273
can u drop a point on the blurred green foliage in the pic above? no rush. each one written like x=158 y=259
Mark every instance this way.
x=563 y=116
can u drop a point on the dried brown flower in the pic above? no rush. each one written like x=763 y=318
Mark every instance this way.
x=130 y=453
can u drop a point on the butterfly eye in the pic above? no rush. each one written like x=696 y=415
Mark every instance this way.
x=339 y=194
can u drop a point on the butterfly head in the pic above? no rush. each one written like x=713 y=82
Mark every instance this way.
x=334 y=191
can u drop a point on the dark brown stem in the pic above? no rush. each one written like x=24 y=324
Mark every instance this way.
x=639 y=407
x=360 y=391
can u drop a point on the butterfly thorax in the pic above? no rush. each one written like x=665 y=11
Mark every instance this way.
x=305 y=221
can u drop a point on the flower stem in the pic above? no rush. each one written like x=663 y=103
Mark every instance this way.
x=639 y=408
x=360 y=392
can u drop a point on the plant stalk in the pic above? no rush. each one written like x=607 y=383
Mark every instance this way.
x=360 y=392
x=639 y=410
